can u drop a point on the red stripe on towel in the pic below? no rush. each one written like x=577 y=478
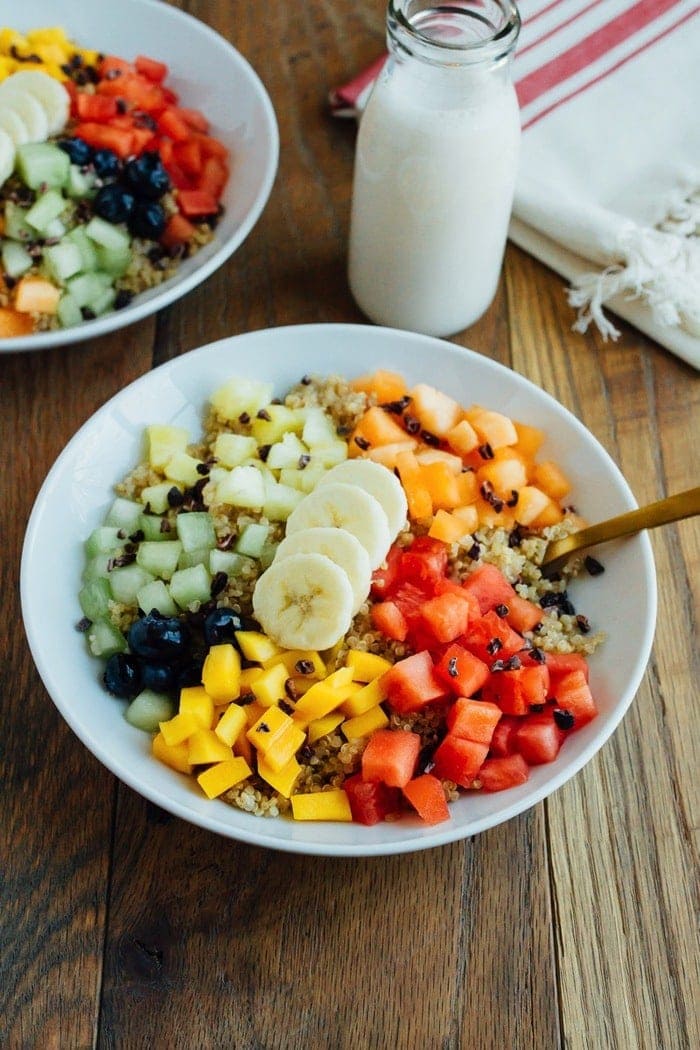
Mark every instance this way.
x=590 y=49
x=562 y=25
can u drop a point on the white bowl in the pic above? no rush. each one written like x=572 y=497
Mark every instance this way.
x=77 y=492
x=208 y=74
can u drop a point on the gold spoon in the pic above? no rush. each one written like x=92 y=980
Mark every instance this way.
x=664 y=511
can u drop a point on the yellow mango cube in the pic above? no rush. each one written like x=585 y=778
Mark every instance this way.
x=282 y=780
x=363 y=725
x=322 y=805
x=175 y=756
x=284 y=747
x=253 y=712
x=204 y=748
x=268 y=687
x=256 y=646
x=306 y=662
x=195 y=700
x=369 y=696
x=367 y=666
x=323 y=697
x=248 y=676
x=321 y=727
x=221 y=674
x=271 y=724
x=163 y=442
x=223 y=776
x=179 y=728
x=231 y=724
x=243 y=747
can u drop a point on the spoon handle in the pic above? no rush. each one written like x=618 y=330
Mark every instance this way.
x=673 y=508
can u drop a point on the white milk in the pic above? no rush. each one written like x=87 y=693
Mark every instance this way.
x=433 y=190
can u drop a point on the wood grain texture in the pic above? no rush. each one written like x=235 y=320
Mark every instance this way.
x=573 y=926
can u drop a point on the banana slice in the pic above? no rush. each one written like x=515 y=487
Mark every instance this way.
x=379 y=481
x=28 y=108
x=304 y=602
x=7 y=156
x=341 y=547
x=12 y=123
x=345 y=507
x=48 y=92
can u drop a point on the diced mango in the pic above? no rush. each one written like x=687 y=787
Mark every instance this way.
x=282 y=780
x=284 y=747
x=271 y=724
x=244 y=748
x=256 y=646
x=321 y=727
x=253 y=712
x=248 y=676
x=269 y=687
x=367 y=697
x=297 y=662
x=231 y=724
x=322 y=805
x=204 y=747
x=363 y=725
x=195 y=700
x=221 y=673
x=179 y=728
x=223 y=776
x=323 y=697
x=175 y=756
x=366 y=666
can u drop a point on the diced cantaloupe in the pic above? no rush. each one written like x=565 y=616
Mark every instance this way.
x=504 y=475
x=437 y=412
x=552 y=514
x=448 y=527
x=531 y=503
x=36 y=295
x=468 y=487
x=376 y=427
x=386 y=454
x=385 y=386
x=14 y=324
x=529 y=440
x=427 y=455
x=469 y=515
x=549 y=477
x=420 y=504
x=492 y=427
x=442 y=484
x=462 y=437
x=492 y=517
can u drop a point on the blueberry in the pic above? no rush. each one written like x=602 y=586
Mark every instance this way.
x=122 y=675
x=221 y=624
x=78 y=151
x=159 y=638
x=147 y=220
x=162 y=678
x=113 y=203
x=190 y=673
x=146 y=176
x=106 y=163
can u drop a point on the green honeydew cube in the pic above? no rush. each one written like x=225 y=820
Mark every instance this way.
x=155 y=595
x=147 y=710
x=159 y=557
x=252 y=539
x=195 y=530
x=127 y=580
x=230 y=562
x=104 y=639
x=94 y=598
x=190 y=586
x=124 y=514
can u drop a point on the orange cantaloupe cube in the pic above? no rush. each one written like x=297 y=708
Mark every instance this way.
x=530 y=439
x=36 y=295
x=384 y=385
x=492 y=518
x=386 y=454
x=437 y=412
x=549 y=477
x=442 y=484
x=531 y=503
x=14 y=324
x=462 y=437
x=551 y=515
x=469 y=516
x=420 y=504
x=426 y=455
x=504 y=475
x=492 y=427
x=468 y=485
x=375 y=427
x=449 y=527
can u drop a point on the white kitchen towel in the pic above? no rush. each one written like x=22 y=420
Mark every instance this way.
x=608 y=190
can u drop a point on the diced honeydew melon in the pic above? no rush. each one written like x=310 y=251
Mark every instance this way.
x=280 y=500
x=281 y=420
x=199 y=556
x=87 y=287
x=267 y=554
x=147 y=710
x=243 y=487
x=107 y=233
x=155 y=595
x=156 y=496
x=196 y=529
x=319 y=429
x=159 y=557
x=16 y=260
x=16 y=226
x=239 y=395
x=97 y=567
x=230 y=562
x=183 y=467
x=151 y=525
x=42 y=164
x=252 y=539
x=305 y=480
x=114 y=261
x=286 y=453
x=124 y=514
x=68 y=311
x=80 y=183
x=63 y=260
x=104 y=639
x=94 y=598
x=127 y=580
x=88 y=251
x=103 y=539
x=190 y=586
x=55 y=230
x=232 y=449
x=47 y=207
x=103 y=302
x=163 y=441
x=216 y=474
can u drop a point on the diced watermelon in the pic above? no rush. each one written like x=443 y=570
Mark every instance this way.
x=172 y=124
x=489 y=585
x=412 y=683
x=194 y=203
x=391 y=756
x=151 y=69
x=460 y=671
x=573 y=694
x=562 y=663
x=95 y=107
x=446 y=616
x=213 y=176
x=522 y=614
x=106 y=136
x=492 y=638
x=371 y=801
x=427 y=798
x=425 y=561
x=473 y=720
x=459 y=760
x=503 y=739
x=388 y=618
x=515 y=692
x=177 y=231
x=538 y=738
x=507 y=771
x=385 y=578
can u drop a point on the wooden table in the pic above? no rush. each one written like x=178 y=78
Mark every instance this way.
x=572 y=925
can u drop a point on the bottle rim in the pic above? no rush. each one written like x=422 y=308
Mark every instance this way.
x=492 y=38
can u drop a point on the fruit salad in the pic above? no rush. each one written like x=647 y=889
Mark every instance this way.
x=330 y=606
x=106 y=180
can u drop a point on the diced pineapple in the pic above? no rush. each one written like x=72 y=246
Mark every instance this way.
x=183 y=468
x=239 y=395
x=288 y=452
x=163 y=442
x=232 y=449
x=244 y=487
x=319 y=429
x=331 y=454
x=304 y=478
x=275 y=421
x=280 y=500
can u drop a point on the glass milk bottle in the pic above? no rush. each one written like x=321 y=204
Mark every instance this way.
x=435 y=167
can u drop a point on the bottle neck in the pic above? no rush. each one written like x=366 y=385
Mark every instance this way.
x=461 y=34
